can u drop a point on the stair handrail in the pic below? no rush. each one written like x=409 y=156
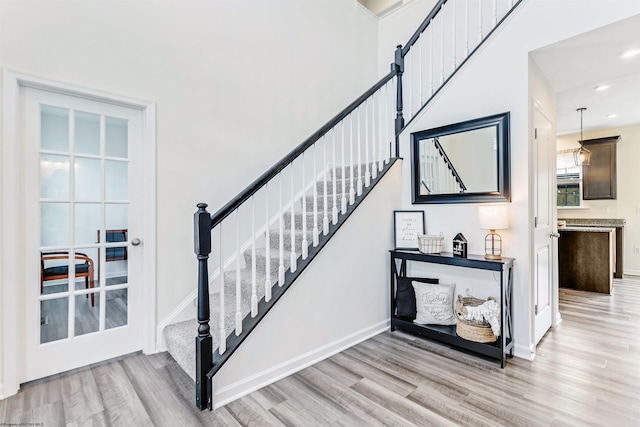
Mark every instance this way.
x=271 y=173
x=423 y=26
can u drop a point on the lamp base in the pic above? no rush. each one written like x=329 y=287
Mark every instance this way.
x=493 y=246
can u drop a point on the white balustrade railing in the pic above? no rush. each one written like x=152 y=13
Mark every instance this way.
x=343 y=163
x=444 y=45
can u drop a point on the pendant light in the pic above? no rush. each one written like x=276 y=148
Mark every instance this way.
x=581 y=156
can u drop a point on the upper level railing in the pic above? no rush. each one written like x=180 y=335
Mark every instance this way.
x=278 y=219
x=452 y=32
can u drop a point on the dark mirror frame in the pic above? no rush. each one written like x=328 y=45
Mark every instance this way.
x=501 y=121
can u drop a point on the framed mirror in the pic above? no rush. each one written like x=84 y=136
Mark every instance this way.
x=462 y=162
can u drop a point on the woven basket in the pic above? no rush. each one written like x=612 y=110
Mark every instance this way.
x=428 y=244
x=471 y=330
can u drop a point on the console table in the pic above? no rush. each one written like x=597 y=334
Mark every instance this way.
x=447 y=334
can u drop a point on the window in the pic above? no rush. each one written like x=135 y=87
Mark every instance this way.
x=569 y=180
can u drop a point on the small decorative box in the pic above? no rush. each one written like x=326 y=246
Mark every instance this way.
x=460 y=246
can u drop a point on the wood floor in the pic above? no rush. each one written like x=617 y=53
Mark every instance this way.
x=587 y=372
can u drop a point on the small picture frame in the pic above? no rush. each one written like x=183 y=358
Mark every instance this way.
x=406 y=227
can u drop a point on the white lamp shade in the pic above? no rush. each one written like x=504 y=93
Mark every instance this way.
x=493 y=217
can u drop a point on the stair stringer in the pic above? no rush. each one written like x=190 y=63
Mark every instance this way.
x=340 y=299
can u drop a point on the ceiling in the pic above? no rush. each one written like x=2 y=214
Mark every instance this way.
x=576 y=66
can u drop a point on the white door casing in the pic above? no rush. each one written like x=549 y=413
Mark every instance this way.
x=17 y=229
x=545 y=255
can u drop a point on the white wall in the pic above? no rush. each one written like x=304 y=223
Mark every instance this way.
x=237 y=85
x=627 y=205
x=497 y=80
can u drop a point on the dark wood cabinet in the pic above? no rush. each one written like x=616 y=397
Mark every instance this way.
x=599 y=177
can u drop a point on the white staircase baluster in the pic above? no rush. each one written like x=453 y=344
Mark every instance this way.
x=238 y=281
x=305 y=242
x=325 y=218
x=381 y=131
x=294 y=256
x=359 y=186
x=479 y=22
x=420 y=71
x=281 y=241
x=389 y=120
x=494 y=21
x=352 y=193
x=374 y=136
x=453 y=28
x=316 y=231
x=431 y=67
x=254 y=295
x=343 y=201
x=367 y=136
x=441 y=45
x=267 y=251
x=408 y=62
x=222 y=347
x=334 y=211
x=466 y=28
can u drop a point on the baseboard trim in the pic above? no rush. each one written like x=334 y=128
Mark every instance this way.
x=631 y=273
x=524 y=352
x=241 y=388
x=186 y=310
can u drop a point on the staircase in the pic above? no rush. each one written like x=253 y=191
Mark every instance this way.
x=179 y=336
x=260 y=242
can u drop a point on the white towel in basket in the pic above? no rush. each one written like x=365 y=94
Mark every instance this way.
x=487 y=311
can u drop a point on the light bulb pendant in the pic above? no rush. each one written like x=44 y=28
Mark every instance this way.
x=581 y=156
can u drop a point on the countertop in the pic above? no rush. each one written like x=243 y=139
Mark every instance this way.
x=588 y=229
x=590 y=222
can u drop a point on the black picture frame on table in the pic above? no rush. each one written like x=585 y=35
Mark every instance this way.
x=406 y=227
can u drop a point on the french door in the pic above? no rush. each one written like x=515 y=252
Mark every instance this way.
x=83 y=193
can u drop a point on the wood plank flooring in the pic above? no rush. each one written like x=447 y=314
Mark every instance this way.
x=587 y=372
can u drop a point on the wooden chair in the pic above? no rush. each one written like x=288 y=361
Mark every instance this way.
x=84 y=268
x=117 y=253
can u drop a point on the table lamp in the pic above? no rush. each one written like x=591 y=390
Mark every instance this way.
x=492 y=218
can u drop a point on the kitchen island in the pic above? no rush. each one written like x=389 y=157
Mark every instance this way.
x=586 y=258
x=618 y=223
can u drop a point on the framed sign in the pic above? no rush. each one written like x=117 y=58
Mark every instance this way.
x=406 y=227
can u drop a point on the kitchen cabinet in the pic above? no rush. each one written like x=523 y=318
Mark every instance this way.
x=599 y=177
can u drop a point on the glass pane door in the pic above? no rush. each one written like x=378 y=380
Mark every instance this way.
x=84 y=223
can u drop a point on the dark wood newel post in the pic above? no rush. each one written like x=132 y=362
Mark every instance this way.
x=204 y=343
x=398 y=65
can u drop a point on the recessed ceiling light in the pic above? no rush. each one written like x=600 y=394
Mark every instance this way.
x=601 y=87
x=611 y=116
x=630 y=53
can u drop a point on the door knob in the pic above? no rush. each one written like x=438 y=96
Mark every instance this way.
x=135 y=241
x=554 y=234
